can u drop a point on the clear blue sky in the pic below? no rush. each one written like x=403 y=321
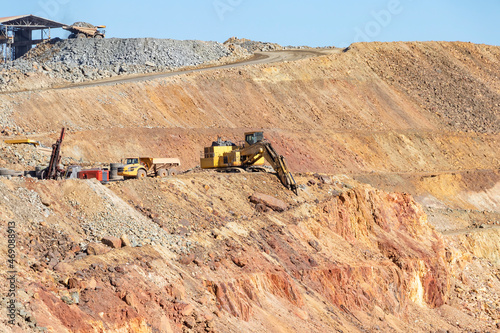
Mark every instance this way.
x=287 y=22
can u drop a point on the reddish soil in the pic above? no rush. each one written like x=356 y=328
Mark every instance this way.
x=418 y=252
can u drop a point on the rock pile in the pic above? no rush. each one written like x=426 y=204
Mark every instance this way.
x=27 y=157
x=83 y=25
x=439 y=83
x=22 y=155
x=253 y=46
x=77 y=60
x=117 y=218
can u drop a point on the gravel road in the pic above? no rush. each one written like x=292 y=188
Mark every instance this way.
x=258 y=58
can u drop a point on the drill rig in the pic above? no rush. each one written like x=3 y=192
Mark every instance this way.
x=53 y=171
x=254 y=152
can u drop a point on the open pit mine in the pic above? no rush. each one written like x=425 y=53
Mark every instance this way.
x=393 y=150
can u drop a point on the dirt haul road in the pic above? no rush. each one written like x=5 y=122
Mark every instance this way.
x=257 y=59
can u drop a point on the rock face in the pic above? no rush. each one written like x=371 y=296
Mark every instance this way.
x=398 y=67
x=379 y=131
x=416 y=251
x=360 y=253
x=395 y=237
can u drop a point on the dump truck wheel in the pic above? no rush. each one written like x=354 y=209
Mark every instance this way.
x=99 y=36
x=80 y=35
x=141 y=174
x=162 y=173
x=172 y=172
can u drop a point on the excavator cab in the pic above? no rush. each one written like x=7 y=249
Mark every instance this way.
x=254 y=137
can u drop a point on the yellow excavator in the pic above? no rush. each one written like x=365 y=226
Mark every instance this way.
x=250 y=156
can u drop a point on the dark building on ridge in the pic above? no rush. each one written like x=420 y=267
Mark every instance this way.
x=17 y=34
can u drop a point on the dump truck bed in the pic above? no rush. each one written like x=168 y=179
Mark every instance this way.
x=154 y=161
x=85 y=30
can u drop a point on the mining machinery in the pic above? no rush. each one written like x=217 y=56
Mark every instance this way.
x=54 y=170
x=253 y=152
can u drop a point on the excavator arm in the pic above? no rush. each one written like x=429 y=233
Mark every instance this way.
x=264 y=149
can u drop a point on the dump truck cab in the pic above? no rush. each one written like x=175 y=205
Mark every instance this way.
x=131 y=167
x=132 y=161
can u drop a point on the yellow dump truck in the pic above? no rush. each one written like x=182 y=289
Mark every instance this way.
x=141 y=167
x=88 y=31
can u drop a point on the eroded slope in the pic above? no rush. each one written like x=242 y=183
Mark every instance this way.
x=344 y=256
x=355 y=111
x=419 y=118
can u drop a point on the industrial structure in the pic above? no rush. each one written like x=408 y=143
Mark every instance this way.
x=17 y=34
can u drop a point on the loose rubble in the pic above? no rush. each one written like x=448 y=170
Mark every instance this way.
x=86 y=59
x=211 y=252
x=253 y=46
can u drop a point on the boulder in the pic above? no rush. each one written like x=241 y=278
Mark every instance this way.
x=130 y=300
x=186 y=259
x=90 y=284
x=186 y=310
x=189 y=322
x=96 y=249
x=314 y=244
x=275 y=204
x=239 y=261
x=73 y=283
x=125 y=241
x=62 y=267
x=111 y=241
x=177 y=291
x=45 y=199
